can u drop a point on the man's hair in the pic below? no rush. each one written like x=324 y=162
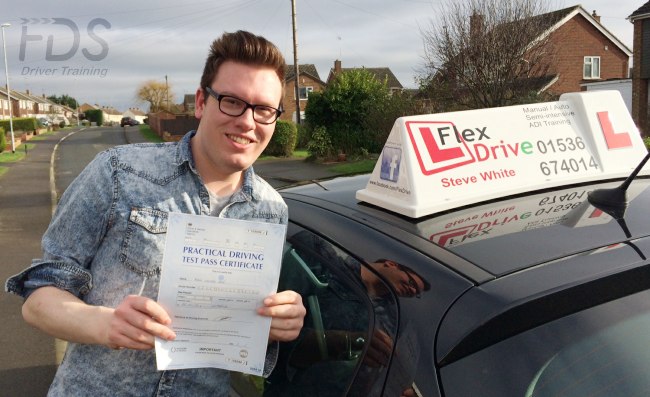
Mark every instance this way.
x=243 y=47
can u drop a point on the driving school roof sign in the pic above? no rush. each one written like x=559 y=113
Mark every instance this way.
x=432 y=163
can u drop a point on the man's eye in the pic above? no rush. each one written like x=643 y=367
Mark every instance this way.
x=233 y=102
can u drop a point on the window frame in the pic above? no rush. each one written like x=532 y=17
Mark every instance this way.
x=590 y=61
x=307 y=89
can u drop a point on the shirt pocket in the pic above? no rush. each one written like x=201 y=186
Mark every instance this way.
x=144 y=243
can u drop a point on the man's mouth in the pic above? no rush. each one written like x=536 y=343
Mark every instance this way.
x=240 y=139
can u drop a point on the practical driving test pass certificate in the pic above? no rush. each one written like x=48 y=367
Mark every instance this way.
x=215 y=273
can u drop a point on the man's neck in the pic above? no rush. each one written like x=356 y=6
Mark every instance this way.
x=224 y=187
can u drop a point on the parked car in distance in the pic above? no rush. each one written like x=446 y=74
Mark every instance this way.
x=43 y=121
x=128 y=121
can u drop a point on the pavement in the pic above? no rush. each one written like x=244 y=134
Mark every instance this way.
x=26 y=205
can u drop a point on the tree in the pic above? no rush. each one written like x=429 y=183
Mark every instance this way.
x=65 y=100
x=343 y=107
x=158 y=94
x=487 y=53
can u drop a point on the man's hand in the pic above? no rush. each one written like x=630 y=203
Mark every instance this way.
x=287 y=314
x=136 y=322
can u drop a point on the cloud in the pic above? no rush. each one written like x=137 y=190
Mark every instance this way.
x=153 y=39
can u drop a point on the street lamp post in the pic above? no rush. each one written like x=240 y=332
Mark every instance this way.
x=11 y=123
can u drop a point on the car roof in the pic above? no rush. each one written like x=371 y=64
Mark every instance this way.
x=503 y=236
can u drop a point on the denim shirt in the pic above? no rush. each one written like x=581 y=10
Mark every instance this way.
x=106 y=241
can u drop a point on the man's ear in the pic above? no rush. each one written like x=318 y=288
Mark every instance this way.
x=199 y=103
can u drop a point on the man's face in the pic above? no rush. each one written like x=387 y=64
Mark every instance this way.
x=405 y=283
x=225 y=145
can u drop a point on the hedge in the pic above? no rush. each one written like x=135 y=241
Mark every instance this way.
x=20 y=124
x=3 y=140
x=283 y=141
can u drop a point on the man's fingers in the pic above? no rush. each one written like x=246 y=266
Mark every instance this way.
x=149 y=307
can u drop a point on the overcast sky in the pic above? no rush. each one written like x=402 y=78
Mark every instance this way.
x=133 y=41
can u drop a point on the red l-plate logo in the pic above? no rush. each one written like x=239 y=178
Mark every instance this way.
x=614 y=140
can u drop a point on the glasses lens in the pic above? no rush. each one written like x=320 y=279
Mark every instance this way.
x=265 y=114
x=232 y=106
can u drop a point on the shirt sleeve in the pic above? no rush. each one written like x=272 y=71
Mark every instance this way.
x=74 y=234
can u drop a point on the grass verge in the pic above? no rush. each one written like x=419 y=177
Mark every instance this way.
x=149 y=134
x=354 y=167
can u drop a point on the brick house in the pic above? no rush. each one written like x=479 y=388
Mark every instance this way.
x=309 y=81
x=641 y=69
x=585 y=51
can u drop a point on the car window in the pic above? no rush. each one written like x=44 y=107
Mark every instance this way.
x=602 y=351
x=323 y=360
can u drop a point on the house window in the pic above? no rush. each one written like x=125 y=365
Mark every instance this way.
x=304 y=92
x=591 y=68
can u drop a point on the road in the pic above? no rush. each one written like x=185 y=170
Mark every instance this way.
x=28 y=356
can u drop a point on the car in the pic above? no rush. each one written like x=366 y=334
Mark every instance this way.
x=536 y=291
x=128 y=121
x=43 y=121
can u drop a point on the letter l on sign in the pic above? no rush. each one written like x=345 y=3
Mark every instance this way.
x=613 y=139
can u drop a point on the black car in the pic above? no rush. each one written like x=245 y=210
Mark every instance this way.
x=538 y=292
x=128 y=121
x=540 y=295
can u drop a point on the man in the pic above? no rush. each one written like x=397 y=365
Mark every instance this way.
x=97 y=283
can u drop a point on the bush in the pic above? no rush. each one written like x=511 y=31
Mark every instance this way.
x=20 y=124
x=3 y=140
x=95 y=116
x=646 y=140
x=62 y=124
x=283 y=140
x=320 y=145
x=304 y=135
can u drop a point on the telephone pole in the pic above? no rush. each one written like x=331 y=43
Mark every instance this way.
x=295 y=60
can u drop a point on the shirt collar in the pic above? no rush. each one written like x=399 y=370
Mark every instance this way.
x=184 y=155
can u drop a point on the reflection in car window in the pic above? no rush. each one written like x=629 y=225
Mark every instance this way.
x=323 y=359
x=602 y=351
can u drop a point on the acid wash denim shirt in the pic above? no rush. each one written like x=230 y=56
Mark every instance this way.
x=106 y=241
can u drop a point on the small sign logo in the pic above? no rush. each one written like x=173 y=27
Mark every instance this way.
x=390 y=163
x=438 y=146
x=614 y=140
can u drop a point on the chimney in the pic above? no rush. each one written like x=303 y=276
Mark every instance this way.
x=27 y=91
x=596 y=16
x=337 y=66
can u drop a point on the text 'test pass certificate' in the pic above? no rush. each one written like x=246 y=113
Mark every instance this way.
x=215 y=273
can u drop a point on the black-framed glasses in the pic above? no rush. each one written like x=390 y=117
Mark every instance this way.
x=235 y=107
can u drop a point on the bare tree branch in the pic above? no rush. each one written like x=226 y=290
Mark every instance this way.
x=487 y=53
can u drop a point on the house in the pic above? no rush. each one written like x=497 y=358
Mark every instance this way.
x=21 y=104
x=380 y=73
x=641 y=69
x=136 y=114
x=4 y=105
x=42 y=107
x=189 y=103
x=309 y=81
x=111 y=115
x=558 y=52
x=585 y=51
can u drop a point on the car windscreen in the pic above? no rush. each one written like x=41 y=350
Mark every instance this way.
x=601 y=351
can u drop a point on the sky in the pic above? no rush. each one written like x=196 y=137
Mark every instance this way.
x=100 y=52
